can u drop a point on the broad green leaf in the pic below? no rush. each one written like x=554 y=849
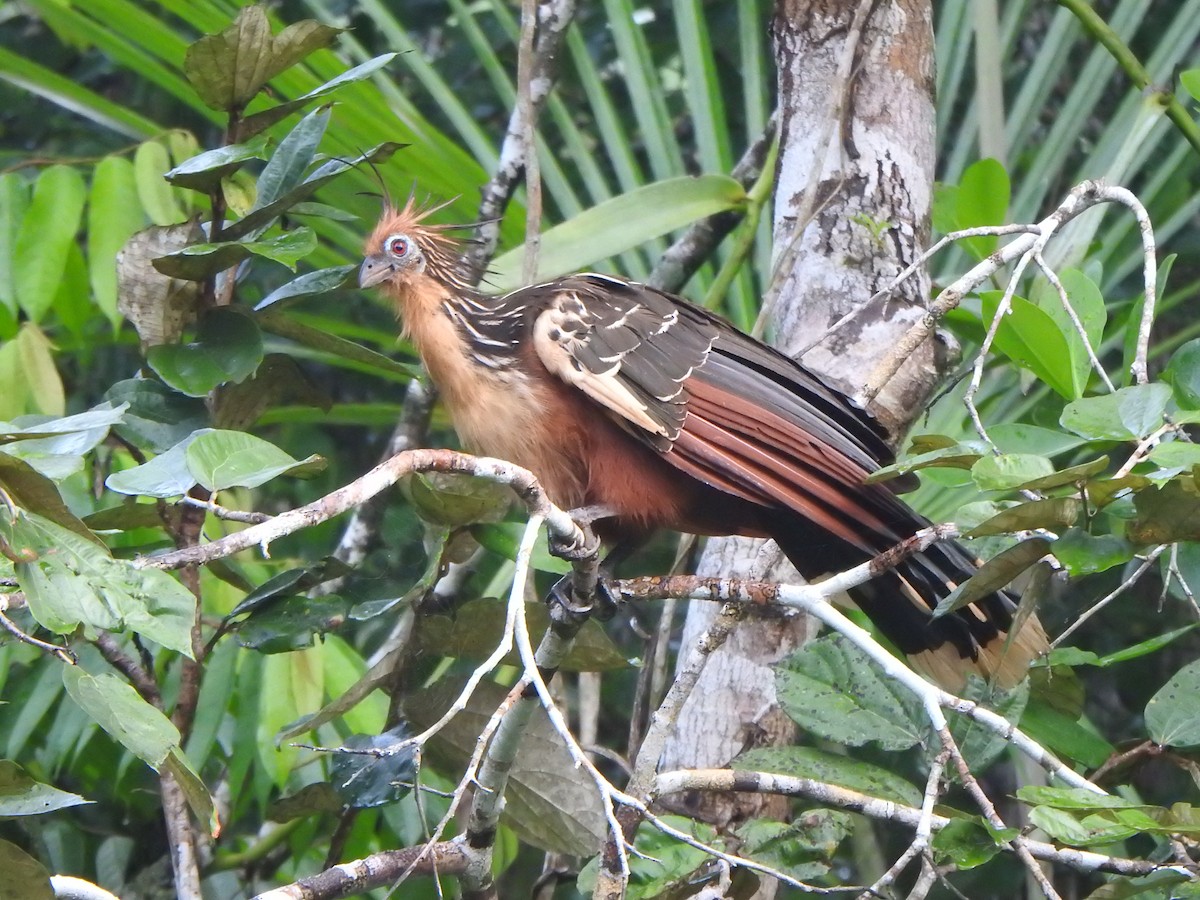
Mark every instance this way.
x=151 y=163
x=1009 y=470
x=122 y=712
x=832 y=689
x=70 y=581
x=1190 y=79
x=1161 y=884
x=619 y=224
x=1088 y=304
x=315 y=799
x=278 y=379
x=340 y=350
x=14 y=201
x=1173 y=714
x=955 y=456
x=292 y=157
x=225 y=459
x=803 y=848
x=205 y=171
x=1085 y=554
x=21 y=795
x=325 y=173
x=1064 y=735
x=1164 y=515
x=832 y=768
x=194 y=790
x=994 y=574
x=966 y=843
x=228 y=347
x=24 y=877
x=112 y=220
x=1030 y=338
x=157 y=416
x=309 y=284
x=1021 y=437
x=980 y=745
x=1146 y=647
x=982 y=199
x=1129 y=414
x=39 y=374
x=1181 y=455
x=268 y=117
x=364 y=781
x=284 y=624
x=1072 y=475
x=46 y=234
x=503 y=538
x=229 y=68
x=1055 y=513
x=454 y=500
x=166 y=475
x=199 y=261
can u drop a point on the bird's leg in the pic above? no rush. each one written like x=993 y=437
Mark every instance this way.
x=575 y=594
x=566 y=592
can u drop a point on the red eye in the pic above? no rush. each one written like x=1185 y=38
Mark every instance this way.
x=398 y=246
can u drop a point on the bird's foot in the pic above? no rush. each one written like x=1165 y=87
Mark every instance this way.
x=565 y=606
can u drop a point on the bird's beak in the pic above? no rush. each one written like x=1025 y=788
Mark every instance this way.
x=374 y=270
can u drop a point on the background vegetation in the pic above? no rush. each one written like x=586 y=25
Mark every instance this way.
x=121 y=397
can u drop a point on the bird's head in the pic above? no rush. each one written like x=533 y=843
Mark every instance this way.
x=402 y=252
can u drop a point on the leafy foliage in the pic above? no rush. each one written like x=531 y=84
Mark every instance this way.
x=173 y=324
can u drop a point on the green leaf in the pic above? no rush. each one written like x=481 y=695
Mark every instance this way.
x=293 y=156
x=311 y=800
x=122 y=712
x=1021 y=437
x=503 y=538
x=284 y=624
x=994 y=574
x=364 y=781
x=1075 y=475
x=1009 y=470
x=151 y=163
x=1064 y=735
x=1128 y=414
x=167 y=475
x=982 y=199
x=225 y=459
x=200 y=261
x=802 y=848
x=1173 y=714
x=157 y=417
x=21 y=795
x=70 y=581
x=966 y=843
x=1162 y=883
x=264 y=215
x=1085 y=554
x=831 y=688
x=1088 y=304
x=620 y=224
x=228 y=69
x=14 y=201
x=1190 y=79
x=453 y=500
x=47 y=232
x=24 y=877
x=1054 y=514
x=112 y=220
x=831 y=768
x=194 y=790
x=1030 y=338
x=309 y=284
x=228 y=347
x=205 y=171
x=1176 y=455
x=955 y=456
x=268 y=117
x=1146 y=647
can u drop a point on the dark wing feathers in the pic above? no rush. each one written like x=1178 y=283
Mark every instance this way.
x=748 y=421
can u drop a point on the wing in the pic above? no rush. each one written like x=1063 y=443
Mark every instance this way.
x=719 y=405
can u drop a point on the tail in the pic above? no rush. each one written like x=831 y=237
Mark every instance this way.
x=976 y=638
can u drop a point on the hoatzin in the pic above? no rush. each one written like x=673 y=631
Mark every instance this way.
x=625 y=398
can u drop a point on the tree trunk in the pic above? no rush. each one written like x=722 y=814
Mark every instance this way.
x=855 y=179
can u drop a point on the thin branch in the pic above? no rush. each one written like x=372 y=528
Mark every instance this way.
x=884 y=810
x=1112 y=595
x=63 y=653
x=1083 y=197
x=378 y=479
x=377 y=870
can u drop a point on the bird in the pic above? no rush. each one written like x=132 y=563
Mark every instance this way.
x=662 y=415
